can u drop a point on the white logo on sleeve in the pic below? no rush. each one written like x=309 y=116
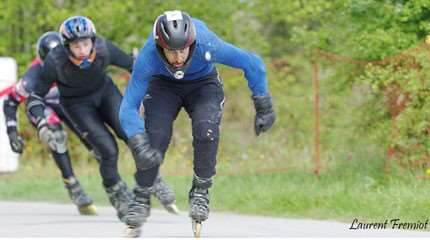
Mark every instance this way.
x=208 y=56
x=173 y=15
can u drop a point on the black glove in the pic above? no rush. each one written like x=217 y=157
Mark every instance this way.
x=144 y=155
x=265 y=117
x=15 y=141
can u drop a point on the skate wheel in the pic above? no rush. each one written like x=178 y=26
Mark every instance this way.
x=132 y=232
x=88 y=210
x=197 y=227
x=172 y=208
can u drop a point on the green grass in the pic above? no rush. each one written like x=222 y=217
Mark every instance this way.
x=340 y=194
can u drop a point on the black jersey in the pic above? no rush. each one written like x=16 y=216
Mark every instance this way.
x=73 y=81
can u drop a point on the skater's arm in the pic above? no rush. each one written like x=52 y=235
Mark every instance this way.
x=129 y=114
x=35 y=104
x=252 y=65
x=46 y=78
x=20 y=91
x=10 y=106
x=255 y=73
x=119 y=58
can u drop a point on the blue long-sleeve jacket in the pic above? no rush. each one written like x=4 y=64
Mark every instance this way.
x=209 y=49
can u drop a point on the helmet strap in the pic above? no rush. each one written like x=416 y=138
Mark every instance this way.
x=86 y=62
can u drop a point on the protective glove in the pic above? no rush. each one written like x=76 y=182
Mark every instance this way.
x=265 y=116
x=15 y=141
x=144 y=155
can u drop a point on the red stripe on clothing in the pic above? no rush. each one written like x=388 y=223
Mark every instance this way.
x=7 y=90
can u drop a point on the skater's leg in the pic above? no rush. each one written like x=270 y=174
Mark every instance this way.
x=204 y=106
x=120 y=198
x=61 y=156
x=109 y=109
x=79 y=197
x=160 y=189
x=138 y=211
x=62 y=160
x=75 y=190
x=199 y=198
x=165 y=195
x=59 y=110
x=92 y=126
x=161 y=109
x=58 y=150
x=161 y=105
x=95 y=132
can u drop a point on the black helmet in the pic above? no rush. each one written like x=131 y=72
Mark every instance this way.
x=174 y=30
x=77 y=27
x=46 y=42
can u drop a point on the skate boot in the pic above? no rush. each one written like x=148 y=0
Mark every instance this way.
x=120 y=198
x=138 y=211
x=199 y=202
x=79 y=197
x=165 y=195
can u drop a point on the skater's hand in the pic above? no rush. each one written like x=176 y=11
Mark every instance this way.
x=144 y=155
x=265 y=116
x=16 y=142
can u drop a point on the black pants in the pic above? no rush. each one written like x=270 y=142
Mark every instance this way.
x=203 y=100
x=91 y=114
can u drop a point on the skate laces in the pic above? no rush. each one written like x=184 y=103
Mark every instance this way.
x=142 y=195
x=200 y=198
x=139 y=208
x=142 y=202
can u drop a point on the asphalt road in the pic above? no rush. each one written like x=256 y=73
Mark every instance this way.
x=34 y=219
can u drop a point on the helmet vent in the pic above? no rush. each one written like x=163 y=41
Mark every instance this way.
x=164 y=31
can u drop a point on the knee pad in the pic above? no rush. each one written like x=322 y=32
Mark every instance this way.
x=58 y=143
x=206 y=131
x=51 y=116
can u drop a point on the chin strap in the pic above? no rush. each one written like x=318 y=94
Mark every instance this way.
x=86 y=62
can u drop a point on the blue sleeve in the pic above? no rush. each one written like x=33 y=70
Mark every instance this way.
x=129 y=114
x=252 y=65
